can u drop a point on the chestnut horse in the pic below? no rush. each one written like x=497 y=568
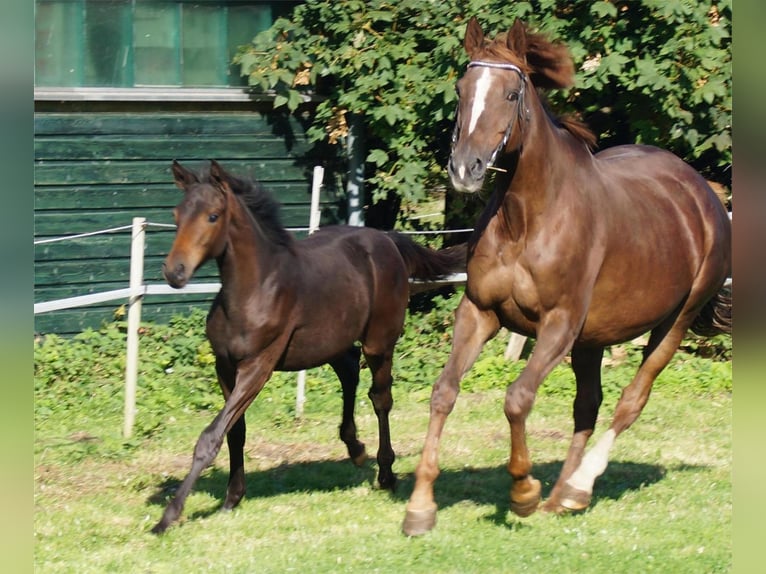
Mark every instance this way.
x=289 y=305
x=580 y=251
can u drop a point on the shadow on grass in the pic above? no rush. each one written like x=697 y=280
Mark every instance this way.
x=482 y=486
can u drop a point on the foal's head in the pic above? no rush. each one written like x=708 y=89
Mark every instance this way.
x=202 y=218
x=493 y=96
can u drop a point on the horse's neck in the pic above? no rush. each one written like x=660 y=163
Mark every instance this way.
x=249 y=255
x=533 y=183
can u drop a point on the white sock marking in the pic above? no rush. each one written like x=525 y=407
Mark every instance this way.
x=593 y=463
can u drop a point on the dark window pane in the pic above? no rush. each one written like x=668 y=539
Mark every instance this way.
x=204 y=45
x=155 y=41
x=58 y=44
x=108 y=27
x=244 y=23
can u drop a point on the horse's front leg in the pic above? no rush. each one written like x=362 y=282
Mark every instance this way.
x=473 y=328
x=555 y=338
x=251 y=376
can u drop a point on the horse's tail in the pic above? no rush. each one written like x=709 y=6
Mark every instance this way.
x=715 y=316
x=429 y=264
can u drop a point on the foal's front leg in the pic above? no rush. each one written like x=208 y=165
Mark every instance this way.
x=473 y=328
x=251 y=376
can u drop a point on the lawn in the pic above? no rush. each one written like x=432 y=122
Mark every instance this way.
x=664 y=503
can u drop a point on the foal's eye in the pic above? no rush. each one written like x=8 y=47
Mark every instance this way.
x=212 y=218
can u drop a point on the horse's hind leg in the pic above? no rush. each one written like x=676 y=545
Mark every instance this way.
x=347 y=369
x=382 y=402
x=235 y=439
x=663 y=343
x=586 y=364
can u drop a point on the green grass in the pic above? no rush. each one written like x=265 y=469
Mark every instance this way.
x=663 y=505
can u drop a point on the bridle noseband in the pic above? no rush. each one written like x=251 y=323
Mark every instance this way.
x=522 y=112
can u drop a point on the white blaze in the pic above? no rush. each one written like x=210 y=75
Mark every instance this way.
x=479 y=98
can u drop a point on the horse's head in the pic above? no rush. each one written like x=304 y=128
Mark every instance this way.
x=494 y=97
x=202 y=220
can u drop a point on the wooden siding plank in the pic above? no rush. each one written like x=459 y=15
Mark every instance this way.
x=161 y=147
x=69 y=322
x=62 y=223
x=143 y=123
x=154 y=195
x=59 y=172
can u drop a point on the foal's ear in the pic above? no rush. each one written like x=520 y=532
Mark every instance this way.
x=219 y=177
x=517 y=39
x=474 y=36
x=182 y=176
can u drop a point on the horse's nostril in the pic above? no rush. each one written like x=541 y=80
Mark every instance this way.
x=477 y=169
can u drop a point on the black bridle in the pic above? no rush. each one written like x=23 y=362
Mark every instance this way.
x=522 y=112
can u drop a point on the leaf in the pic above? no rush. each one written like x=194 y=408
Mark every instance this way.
x=280 y=101
x=604 y=9
x=378 y=157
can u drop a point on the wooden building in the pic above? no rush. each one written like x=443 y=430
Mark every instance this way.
x=122 y=88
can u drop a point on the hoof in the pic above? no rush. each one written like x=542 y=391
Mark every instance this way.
x=387 y=482
x=360 y=459
x=525 y=503
x=418 y=522
x=574 y=499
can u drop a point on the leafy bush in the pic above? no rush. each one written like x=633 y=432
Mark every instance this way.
x=79 y=381
x=651 y=71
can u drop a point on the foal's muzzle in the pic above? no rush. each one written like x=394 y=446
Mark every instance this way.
x=175 y=276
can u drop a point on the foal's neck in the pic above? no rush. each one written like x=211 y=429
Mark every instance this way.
x=250 y=254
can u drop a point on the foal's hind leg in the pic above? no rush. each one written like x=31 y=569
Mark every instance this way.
x=663 y=343
x=382 y=401
x=347 y=369
x=586 y=364
x=235 y=439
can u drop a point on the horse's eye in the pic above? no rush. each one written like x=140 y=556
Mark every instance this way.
x=212 y=218
x=513 y=96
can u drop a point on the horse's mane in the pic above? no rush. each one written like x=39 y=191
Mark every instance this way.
x=549 y=66
x=263 y=207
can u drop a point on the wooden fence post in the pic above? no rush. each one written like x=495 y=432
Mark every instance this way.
x=314 y=218
x=137 y=240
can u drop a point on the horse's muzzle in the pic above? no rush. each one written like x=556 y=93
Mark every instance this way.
x=467 y=176
x=176 y=276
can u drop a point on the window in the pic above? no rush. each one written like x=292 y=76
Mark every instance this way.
x=131 y=43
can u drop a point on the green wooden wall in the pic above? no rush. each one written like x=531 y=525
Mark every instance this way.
x=98 y=170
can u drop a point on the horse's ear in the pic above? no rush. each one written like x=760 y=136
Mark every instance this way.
x=182 y=176
x=517 y=39
x=219 y=177
x=474 y=36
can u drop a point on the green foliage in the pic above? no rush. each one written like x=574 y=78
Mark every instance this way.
x=81 y=379
x=653 y=71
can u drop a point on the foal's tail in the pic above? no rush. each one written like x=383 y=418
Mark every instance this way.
x=715 y=316
x=429 y=264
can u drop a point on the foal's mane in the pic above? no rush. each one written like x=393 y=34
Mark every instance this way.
x=549 y=66
x=263 y=207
